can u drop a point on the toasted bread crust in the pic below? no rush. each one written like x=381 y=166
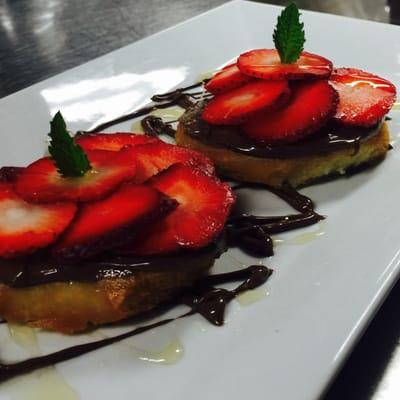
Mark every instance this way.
x=70 y=307
x=296 y=171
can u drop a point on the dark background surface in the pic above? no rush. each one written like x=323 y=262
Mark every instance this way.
x=40 y=38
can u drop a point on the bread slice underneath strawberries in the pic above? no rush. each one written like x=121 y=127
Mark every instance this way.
x=297 y=171
x=77 y=306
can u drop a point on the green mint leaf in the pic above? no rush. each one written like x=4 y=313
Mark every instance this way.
x=69 y=157
x=289 y=35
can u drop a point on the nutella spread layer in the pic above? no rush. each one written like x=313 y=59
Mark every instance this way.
x=329 y=138
x=41 y=269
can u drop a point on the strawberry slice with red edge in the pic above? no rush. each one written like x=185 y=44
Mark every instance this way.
x=112 y=141
x=266 y=64
x=41 y=182
x=311 y=105
x=26 y=227
x=364 y=98
x=237 y=105
x=104 y=224
x=155 y=157
x=227 y=79
x=204 y=205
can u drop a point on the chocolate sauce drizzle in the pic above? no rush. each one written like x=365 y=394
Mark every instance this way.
x=252 y=233
x=178 y=97
x=203 y=299
x=155 y=126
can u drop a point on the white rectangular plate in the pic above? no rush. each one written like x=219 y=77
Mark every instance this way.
x=324 y=291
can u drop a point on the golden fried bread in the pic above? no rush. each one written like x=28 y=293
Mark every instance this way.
x=296 y=171
x=75 y=306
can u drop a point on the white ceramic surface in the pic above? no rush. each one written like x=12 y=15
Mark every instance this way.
x=289 y=344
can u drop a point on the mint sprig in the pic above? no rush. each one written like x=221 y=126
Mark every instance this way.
x=69 y=157
x=289 y=35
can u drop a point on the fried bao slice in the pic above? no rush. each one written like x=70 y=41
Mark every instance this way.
x=76 y=306
x=297 y=171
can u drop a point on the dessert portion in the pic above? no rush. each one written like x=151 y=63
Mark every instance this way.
x=113 y=225
x=284 y=115
x=108 y=226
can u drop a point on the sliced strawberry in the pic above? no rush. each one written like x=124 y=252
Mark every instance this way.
x=113 y=221
x=266 y=64
x=26 y=227
x=41 y=182
x=227 y=79
x=204 y=205
x=155 y=157
x=111 y=141
x=236 y=105
x=311 y=105
x=364 y=99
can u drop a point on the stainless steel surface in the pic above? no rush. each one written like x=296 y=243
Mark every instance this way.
x=40 y=38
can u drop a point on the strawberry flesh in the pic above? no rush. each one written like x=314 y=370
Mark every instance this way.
x=227 y=79
x=26 y=227
x=155 y=157
x=104 y=224
x=204 y=205
x=111 y=141
x=237 y=105
x=364 y=98
x=41 y=182
x=266 y=64
x=311 y=105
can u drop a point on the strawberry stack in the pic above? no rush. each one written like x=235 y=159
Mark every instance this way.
x=285 y=94
x=282 y=103
x=119 y=192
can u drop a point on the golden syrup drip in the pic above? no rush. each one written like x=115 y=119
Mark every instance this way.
x=166 y=114
x=24 y=337
x=136 y=127
x=205 y=75
x=170 y=354
x=45 y=384
x=303 y=238
x=252 y=296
